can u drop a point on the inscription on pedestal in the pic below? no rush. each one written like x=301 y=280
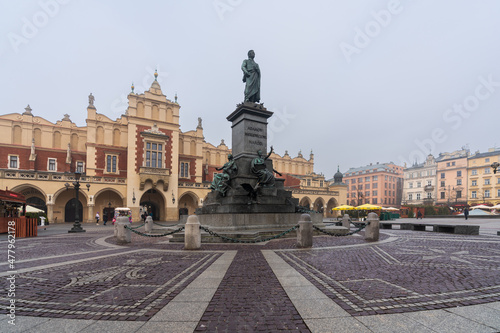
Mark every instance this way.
x=256 y=136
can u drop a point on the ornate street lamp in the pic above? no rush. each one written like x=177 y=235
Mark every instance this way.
x=76 y=185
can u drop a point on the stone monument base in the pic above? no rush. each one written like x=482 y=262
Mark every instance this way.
x=252 y=222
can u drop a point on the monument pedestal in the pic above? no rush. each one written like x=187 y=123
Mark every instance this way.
x=248 y=205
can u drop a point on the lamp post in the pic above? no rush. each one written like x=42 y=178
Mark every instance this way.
x=76 y=185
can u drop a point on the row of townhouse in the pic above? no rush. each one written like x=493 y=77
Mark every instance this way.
x=455 y=179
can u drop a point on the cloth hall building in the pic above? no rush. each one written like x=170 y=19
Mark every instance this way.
x=141 y=160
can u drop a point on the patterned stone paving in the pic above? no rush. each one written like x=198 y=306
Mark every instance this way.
x=414 y=273
x=133 y=285
x=250 y=299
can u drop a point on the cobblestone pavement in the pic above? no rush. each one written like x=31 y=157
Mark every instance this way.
x=409 y=281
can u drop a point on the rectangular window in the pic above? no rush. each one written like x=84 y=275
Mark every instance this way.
x=375 y=178
x=410 y=185
x=486 y=193
x=459 y=173
x=367 y=179
x=473 y=195
x=486 y=182
x=354 y=181
x=374 y=193
x=459 y=194
x=443 y=184
x=429 y=195
x=498 y=180
x=486 y=160
x=453 y=163
x=13 y=162
x=308 y=182
x=418 y=196
x=498 y=193
x=375 y=185
x=185 y=171
x=320 y=183
x=353 y=188
x=347 y=181
x=419 y=184
x=360 y=187
x=473 y=172
x=442 y=195
x=448 y=164
x=367 y=186
x=429 y=182
x=79 y=167
x=487 y=170
x=52 y=164
x=367 y=193
x=360 y=180
x=374 y=201
x=459 y=181
x=111 y=162
x=474 y=183
x=442 y=175
x=385 y=177
x=154 y=155
x=347 y=195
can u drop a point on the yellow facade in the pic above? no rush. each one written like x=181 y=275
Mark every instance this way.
x=483 y=183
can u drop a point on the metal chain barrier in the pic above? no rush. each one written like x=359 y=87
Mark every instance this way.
x=339 y=235
x=248 y=241
x=148 y=235
x=137 y=226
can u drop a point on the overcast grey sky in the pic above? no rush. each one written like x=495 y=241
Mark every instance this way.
x=356 y=81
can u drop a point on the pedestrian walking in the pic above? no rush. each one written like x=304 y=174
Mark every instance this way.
x=105 y=218
x=466 y=213
x=97 y=218
x=419 y=215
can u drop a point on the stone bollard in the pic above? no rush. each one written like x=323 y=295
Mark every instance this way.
x=148 y=226
x=372 y=229
x=346 y=221
x=192 y=233
x=305 y=232
x=123 y=235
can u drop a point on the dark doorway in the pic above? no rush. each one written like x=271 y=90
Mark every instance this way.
x=107 y=214
x=69 y=211
x=151 y=208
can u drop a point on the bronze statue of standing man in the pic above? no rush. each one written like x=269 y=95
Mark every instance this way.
x=251 y=77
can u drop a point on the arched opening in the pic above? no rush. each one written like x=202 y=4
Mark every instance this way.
x=106 y=201
x=332 y=203
x=151 y=203
x=37 y=203
x=319 y=205
x=181 y=146
x=170 y=115
x=188 y=204
x=305 y=202
x=70 y=208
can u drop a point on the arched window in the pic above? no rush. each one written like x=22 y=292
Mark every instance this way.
x=140 y=109
x=74 y=141
x=56 y=140
x=16 y=135
x=37 y=135
x=116 y=137
x=100 y=135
